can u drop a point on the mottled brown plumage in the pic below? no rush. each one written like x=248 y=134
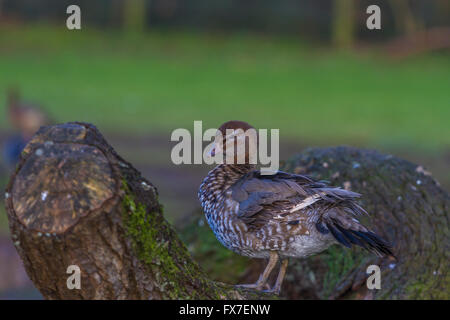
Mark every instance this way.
x=281 y=215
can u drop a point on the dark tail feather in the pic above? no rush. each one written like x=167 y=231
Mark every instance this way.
x=338 y=236
x=351 y=237
x=366 y=239
x=374 y=242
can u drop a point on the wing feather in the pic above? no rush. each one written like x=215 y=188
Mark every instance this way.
x=283 y=196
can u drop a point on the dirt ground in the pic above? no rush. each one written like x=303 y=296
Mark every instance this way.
x=177 y=186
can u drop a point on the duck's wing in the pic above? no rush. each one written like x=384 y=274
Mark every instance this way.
x=262 y=196
x=283 y=198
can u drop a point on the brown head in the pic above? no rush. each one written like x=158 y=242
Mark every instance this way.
x=237 y=142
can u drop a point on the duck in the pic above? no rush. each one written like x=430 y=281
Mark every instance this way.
x=26 y=118
x=277 y=216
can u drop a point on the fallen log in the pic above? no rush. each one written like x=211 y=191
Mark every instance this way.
x=74 y=204
x=406 y=205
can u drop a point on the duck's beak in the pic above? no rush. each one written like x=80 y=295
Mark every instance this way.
x=216 y=149
x=212 y=153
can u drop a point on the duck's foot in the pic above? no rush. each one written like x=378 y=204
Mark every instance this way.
x=262 y=281
x=277 y=287
x=273 y=290
x=256 y=286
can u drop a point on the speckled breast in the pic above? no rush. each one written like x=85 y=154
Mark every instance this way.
x=231 y=232
x=221 y=214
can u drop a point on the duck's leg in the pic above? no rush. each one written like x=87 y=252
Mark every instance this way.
x=277 y=287
x=258 y=285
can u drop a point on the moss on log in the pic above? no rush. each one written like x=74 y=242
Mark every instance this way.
x=74 y=201
x=405 y=204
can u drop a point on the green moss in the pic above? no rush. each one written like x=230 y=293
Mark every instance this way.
x=430 y=286
x=340 y=262
x=142 y=229
x=148 y=232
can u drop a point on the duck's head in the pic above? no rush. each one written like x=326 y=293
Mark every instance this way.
x=237 y=142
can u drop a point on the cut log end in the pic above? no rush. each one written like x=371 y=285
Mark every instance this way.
x=59 y=180
x=58 y=183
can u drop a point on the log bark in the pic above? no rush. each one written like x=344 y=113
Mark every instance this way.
x=406 y=205
x=73 y=200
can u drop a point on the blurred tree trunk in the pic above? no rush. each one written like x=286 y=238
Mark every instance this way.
x=134 y=15
x=343 y=23
x=74 y=202
x=404 y=19
x=443 y=11
x=116 y=16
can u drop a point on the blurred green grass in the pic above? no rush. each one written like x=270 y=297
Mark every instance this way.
x=156 y=82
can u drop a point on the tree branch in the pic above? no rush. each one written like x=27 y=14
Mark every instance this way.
x=74 y=201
